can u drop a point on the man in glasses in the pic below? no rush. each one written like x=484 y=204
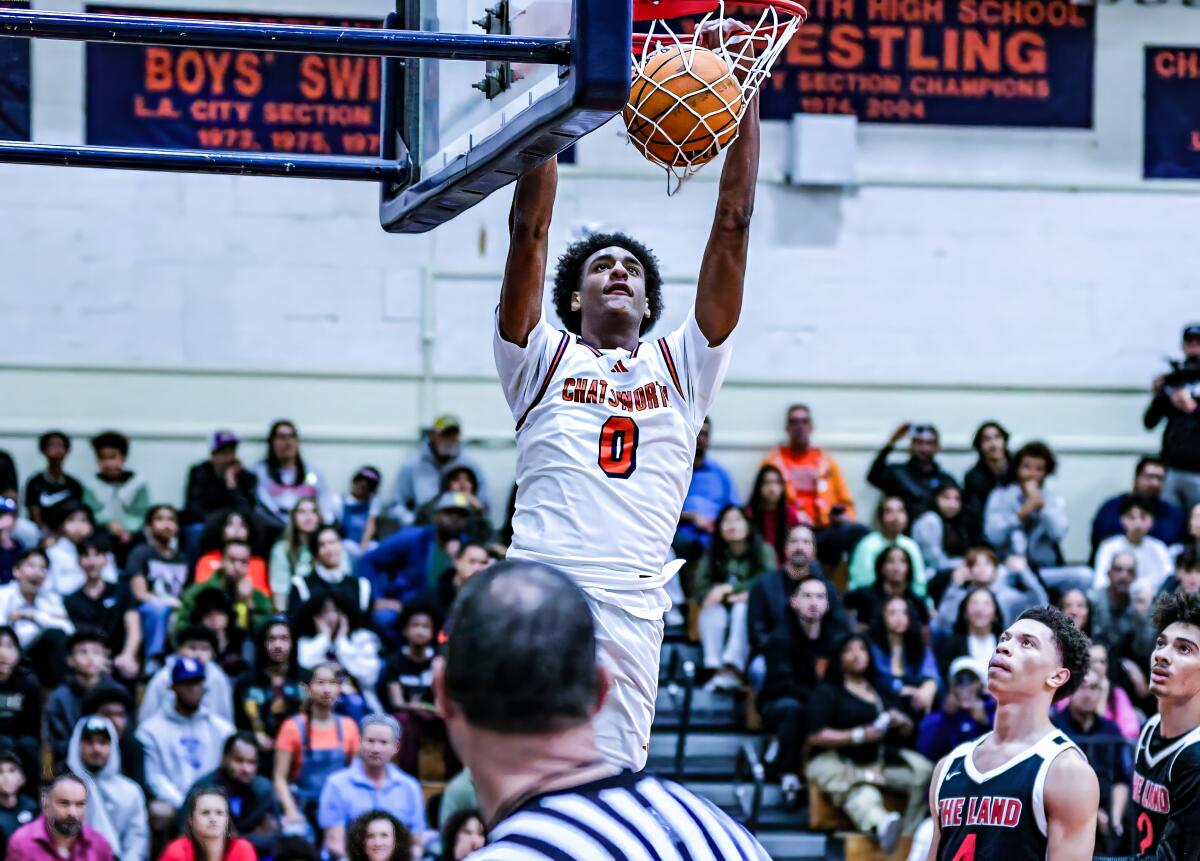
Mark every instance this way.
x=919 y=478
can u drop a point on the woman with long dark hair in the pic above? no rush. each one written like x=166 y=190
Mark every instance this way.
x=988 y=473
x=893 y=578
x=768 y=508
x=942 y=534
x=976 y=631
x=735 y=556
x=284 y=477
x=904 y=663
x=230 y=526
x=270 y=691
x=463 y=833
x=856 y=732
x=208 y=832
x=292 y=554
x=378 y=836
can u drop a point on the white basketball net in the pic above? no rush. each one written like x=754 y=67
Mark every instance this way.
x=749 y=58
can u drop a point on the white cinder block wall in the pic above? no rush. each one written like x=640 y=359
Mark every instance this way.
x=1022 y=275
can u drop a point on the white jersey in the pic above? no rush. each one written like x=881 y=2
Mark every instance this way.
x=605 y=445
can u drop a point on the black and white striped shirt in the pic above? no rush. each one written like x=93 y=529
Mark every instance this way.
x=628 y=817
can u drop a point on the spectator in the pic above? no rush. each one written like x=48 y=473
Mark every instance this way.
x=214 y=610
x=182 y=742
x=158 y=572
x=407 y=686
x=965 y=715
x=16 y=807
x=1192 y=537
x=1014 y=591
x=219 y=484
x=988 y=473
x=1112 y=606
x=329 y=576
x=38 y=617
x=904 y=665
x=975 y=633
x=251 y=799
x=116 y=805
x=311 y=747
x=893 y=521
x=1137 y=647
x=208 y=832
x=107 y=608
x=916 y=481
x=401 y=566
x=1153 y=559
x=10 y=546
x=379 y=836
x=893 y=577
x=199 y=644
x=20 y=705
x=117 y=497
x=768 y=509
x=710 y=491
x=270 y=691
x=293 y=848
x=1101 y=742
x=458 y=796
x=1025 y=521
x=460 y=480
x=463 y=833
x=723 y=580
x=370 y=782
x=326 y=632
x=816 y=490
x=797 y=653
x=77 y=524
x=1148 y=480
x=250 y=607
x=292 y=555
x=52 y=489
x=1187 y=573
x=61 y=832
x=420 y=479
x=358 y=511
x=471 y=559
x=87 y=658
x=1076 y=607
x=112 y=701
x=284 y=478
x=855 y=730
x=1113 y=702
x=941 y=534
x=1175 y=400
x=9 y=485
x=231 y=526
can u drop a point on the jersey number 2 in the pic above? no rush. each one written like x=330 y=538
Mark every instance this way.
x=618 y=447
x=966 y=850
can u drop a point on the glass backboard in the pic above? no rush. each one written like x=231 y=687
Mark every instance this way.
x=472 y=127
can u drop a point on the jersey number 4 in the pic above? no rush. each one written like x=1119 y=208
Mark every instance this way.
x=618 y=447
x=966 y=849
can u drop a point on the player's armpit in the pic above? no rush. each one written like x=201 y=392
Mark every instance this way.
x=1072 y=797
x=938 y=771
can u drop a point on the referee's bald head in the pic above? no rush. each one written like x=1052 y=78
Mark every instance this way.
x=522 y=655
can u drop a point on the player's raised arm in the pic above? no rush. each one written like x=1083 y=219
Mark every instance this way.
x=529 y=243
x=723 y=272
x=1072 y=796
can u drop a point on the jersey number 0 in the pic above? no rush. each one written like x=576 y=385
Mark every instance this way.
x=618 y=447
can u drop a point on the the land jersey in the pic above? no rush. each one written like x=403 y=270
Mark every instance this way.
x=605 y=445
x=1166 y=789
x=999 y=815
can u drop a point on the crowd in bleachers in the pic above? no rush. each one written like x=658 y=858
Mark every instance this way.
x=249 y=673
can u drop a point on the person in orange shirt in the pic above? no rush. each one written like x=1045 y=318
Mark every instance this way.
x=231 y=526
x=816 y=489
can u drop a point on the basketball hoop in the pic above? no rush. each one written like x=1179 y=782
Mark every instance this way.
x=680 y=116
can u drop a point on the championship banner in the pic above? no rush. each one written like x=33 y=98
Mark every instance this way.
x=1172 y=136
x=216 y=98
x=943 y=62
x=15 y=123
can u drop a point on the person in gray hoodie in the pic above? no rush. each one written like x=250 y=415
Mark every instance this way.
x=420 y=479
x=116 y=805
x=182 y=742
x=199 y=644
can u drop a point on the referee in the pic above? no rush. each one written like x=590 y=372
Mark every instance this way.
x=519 y=687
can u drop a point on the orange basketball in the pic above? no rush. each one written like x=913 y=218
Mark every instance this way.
x=683 y=106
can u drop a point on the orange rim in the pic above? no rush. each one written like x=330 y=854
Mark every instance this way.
x=649 y=10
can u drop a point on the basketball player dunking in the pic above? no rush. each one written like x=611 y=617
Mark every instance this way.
x=1023 y=792
x=607 y=425
x=1166 y=774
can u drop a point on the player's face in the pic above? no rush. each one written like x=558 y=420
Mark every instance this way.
x=614 y=283
x=1025 y=662
x=1175 y=664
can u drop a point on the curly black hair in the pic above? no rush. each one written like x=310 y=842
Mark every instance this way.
x=1177 y=606
x=1073 y=645
x=569 y=275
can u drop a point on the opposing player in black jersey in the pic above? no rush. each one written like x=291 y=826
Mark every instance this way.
x=1166 y=775
x=1023 y=792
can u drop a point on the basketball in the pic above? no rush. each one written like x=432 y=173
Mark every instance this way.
x=684 y=106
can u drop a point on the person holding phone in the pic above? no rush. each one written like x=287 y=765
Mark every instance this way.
x=919 y=478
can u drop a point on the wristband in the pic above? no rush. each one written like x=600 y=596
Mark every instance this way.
x=857 y=735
